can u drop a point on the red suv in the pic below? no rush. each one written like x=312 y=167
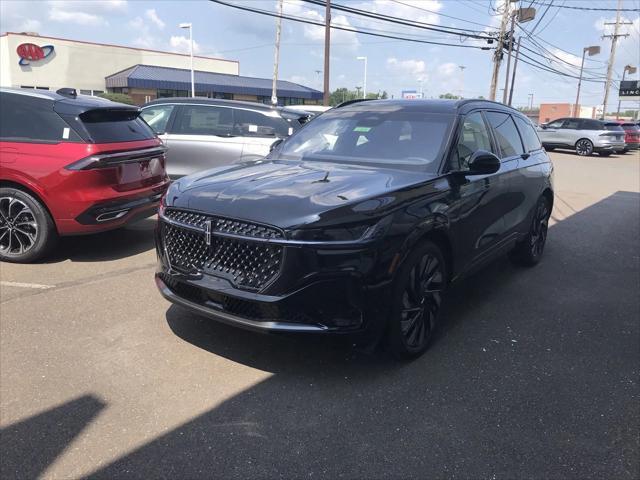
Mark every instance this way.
x=72 y=165
x=631 y=136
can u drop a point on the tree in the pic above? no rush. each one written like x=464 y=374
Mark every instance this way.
x=118 y=97
x=449 y=96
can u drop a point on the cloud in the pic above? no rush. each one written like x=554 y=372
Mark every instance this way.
x=181 y=44
x=81 y=18
x=153 y=16
x=424 y=11
x=30 y=25
x=348 y=41
x=86 y=13
x=447 y=70
x=410 y=68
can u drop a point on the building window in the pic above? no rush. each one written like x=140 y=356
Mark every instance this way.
x=42 y=88
x=97 y=92
x=85 y=92
x=27 y=86
x=167 y=93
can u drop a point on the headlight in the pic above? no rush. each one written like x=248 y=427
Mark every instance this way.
x=343 y=233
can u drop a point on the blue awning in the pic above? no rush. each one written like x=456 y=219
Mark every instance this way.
x=147 y=76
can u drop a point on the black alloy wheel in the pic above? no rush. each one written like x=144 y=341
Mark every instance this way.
x=584 y=147
x=529 y=252
x=419 y=291
x=26 y=229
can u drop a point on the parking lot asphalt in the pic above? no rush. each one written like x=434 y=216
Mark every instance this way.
x=534 y=373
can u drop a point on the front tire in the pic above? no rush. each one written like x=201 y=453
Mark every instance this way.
x=418 y=292
x=584 y=147
x=27 y=232
x=529 y=251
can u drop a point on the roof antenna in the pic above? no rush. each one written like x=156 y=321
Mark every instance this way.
x=67 y=92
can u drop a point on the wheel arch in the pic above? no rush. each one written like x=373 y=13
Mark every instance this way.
x=548 y=194
x=437 y=235
x=31 y=191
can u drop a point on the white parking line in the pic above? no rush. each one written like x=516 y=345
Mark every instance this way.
x=36 y=286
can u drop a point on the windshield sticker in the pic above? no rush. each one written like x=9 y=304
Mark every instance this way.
x=362 y=129
x=253 y=128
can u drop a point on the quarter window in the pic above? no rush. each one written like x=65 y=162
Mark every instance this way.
x=204 y=120
x=506 y=134
x=474 y=136
x=529 y=136
x=157 y=117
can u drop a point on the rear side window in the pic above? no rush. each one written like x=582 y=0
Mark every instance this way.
x=474 y=136
x=204 y=120
x=28 y=119
x=506 y=134
x=528 y=134
x=249 y=123
x=107 y=125
x=591 y=125
x=614 y=127
x=157 y=117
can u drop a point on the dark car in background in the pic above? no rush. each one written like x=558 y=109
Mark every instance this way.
x=203 y=133
x=358 y=222
x=72 y=165
x=584 y=135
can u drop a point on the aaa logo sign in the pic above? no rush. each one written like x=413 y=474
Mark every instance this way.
x=30 y=52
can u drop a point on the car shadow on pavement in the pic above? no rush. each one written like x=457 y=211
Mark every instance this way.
x=534 y=375
x=112 y=245
x=30 y=446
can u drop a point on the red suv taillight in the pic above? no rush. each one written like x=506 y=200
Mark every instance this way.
x=114 y=159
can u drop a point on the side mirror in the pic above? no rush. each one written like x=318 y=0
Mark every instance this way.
x=543 y=126
x=483 y=163
x=275 y=145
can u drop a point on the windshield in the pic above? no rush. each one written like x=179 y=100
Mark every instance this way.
x=394 y=138
x=614 y=127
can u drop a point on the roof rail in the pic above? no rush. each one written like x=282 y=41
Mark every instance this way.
x=357 y=100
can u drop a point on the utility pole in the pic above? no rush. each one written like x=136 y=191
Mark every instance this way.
x=276 y=59
x=612 y=55
x=497 y=55
x=327 y=47
x=461 y=67
x=530 y=100
x=506 y=77
x=515 y=67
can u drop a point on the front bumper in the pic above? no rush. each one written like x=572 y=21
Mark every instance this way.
x=326 y=306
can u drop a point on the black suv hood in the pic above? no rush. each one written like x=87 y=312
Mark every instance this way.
x=290 y=194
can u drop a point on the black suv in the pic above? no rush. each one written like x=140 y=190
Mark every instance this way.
x=359 y=221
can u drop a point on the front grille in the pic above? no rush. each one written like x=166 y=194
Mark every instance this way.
x=245 y=263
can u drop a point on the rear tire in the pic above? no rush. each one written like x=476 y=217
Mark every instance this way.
x=529 y=251
x=27 y=232
x=584 y=147
x=418 y=292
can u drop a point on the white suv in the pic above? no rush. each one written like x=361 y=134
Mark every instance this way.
x=585 y=135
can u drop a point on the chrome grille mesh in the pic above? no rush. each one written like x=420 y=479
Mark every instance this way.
x=247 y=264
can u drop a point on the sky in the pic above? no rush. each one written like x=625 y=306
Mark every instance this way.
x=392 y=65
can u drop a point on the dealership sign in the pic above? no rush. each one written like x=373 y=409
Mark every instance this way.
x=30 y=52
x=629 y=88
x=411 y=95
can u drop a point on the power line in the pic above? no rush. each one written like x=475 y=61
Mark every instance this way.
x=372 y=32
x=595 y=9
x=440 y=14
x=401 y=21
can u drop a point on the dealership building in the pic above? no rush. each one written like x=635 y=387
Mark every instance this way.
x=28 y=60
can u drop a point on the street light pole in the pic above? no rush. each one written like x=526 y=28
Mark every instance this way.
x=593 y=50
x=627 y=68
x=364 y=85
x=276 y=59
x=193 y=84
x=326 y=96
x=461 y=67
